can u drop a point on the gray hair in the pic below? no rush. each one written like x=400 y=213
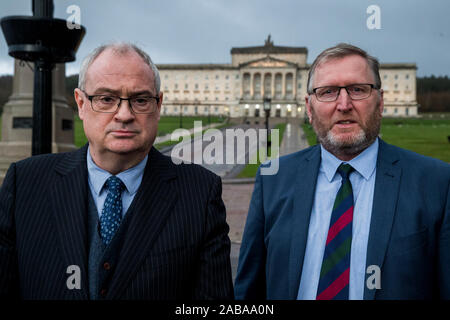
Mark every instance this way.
x=120 y=48
x=340 y=51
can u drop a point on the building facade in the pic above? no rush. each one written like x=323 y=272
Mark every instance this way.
x=280 y=73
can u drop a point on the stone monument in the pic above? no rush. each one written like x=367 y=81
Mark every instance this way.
x=17 y=117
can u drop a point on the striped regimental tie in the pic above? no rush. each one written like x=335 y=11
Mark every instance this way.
x=335 y=272
x=112 y=209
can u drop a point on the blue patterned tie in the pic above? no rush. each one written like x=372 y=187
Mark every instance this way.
x=112 y=209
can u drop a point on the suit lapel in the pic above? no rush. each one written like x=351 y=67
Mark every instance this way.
x=150 y=209
x=68 y=200
x=387 y=184
x=305 y=186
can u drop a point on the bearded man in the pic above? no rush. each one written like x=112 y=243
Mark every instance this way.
x=352 y=217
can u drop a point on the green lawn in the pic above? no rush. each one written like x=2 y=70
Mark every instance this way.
x=309 y=133
x=424 y=136
x=250 y=169
x=80 y=138
x=166 y=125
x=427 y=136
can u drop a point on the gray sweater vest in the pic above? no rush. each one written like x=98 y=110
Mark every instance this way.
x=102 y=259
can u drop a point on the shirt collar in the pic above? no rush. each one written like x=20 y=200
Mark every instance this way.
x=130 y=177
x=364 y=163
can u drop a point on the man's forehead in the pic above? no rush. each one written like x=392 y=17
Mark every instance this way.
x=346 y=61
x=341 y=67
x=109 y=59
x=109 y=65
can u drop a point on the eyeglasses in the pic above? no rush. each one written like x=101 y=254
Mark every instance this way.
x=355 y=91
x=110 y=104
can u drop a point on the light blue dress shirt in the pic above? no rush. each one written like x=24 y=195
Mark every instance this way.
x=97 y=177
x=328 y=184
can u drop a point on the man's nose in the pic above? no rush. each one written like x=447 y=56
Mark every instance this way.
x=124 y=112
x=344 y=102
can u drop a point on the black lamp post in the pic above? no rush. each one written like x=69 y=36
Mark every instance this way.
x=267 y=107
x=181 y=116
x=45 y=41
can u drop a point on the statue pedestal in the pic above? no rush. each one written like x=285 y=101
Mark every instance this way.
x=17 y=118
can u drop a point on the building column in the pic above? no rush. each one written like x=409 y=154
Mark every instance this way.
x=263 y=85
x=242 y=85
x=251 y=85
x=273 y=86
x=294 y=84
x=261 y=89
x=283 y=85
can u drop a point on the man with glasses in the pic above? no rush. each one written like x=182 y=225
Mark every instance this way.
x=115 y=219
x=352 y=217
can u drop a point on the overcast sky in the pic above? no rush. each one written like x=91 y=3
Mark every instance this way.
x=204 y=31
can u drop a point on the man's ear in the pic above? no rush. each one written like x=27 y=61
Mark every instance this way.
x=308 y=107
x=80 y=99
x=161 y=97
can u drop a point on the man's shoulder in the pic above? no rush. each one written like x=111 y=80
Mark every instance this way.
x=294 y=158
x=287 y=162
x=45 y=160
x=186 y=171
x=39 y=171
x=413 y=161
x=288 y=165
x=412 y=158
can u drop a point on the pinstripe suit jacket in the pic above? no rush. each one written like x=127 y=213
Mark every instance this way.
x=176 y=246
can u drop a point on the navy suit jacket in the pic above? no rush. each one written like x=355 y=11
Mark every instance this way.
x=176 y=245
x=409 y=236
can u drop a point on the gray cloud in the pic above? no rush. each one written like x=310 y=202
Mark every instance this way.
x=204 y=31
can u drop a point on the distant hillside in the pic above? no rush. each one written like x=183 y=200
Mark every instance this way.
x=433 y=93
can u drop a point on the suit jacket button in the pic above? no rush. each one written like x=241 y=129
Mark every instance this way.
x=106 y=266
x=103 y=292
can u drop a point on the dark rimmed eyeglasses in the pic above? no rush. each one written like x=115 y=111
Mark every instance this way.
x=110 y=103
x=357 y=91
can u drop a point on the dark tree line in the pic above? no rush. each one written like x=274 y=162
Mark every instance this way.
x=433 y=93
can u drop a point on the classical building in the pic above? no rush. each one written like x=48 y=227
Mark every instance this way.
x=276 y=72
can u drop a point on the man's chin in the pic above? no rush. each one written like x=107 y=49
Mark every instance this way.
x=125 y=147
x=347 y=140
x=345 y=143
